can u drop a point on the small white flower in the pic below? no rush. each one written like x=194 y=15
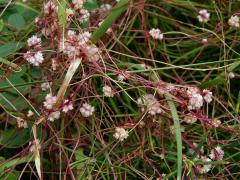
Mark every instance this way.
x=50 y=7
x=104 y=8
x=49 y=102
x=67 y=105
x=195 y=99
x=84 y=16
x=34 y=41
x=34 y=145
x=34 y=58
x=205 y=167
x=189 y=118
x=156 y=34
x=203 y=16
x=216 y=154
x=53 y=116
x=107 y=91
x=207 y=95
x=92 y=52
x=84 y=37
x=231 y=75
x=45 y=86
x=195 y=102
x=151 y=104
x=204 y=41
x=234 y=21
x=120 y=134
x=71 y=34
x=78 y=4
x=86 y=110
x=121 y=77
x=30 y=113
x=216 y=123
x=21 y=123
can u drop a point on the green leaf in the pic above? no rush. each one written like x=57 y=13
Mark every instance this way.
x=14 y=138
x=178 y=135
x=17 y=21
x=91 y=5
x=62 y=15
x=5 y=61
x=1 y=25
x=13 y=103
x=213 y=82
x=113 y=15
x=10 y=48
x=12 y=163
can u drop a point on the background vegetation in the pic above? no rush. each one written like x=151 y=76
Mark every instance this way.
x=74 y=147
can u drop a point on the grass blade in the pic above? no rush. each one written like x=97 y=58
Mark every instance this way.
x=178 y=135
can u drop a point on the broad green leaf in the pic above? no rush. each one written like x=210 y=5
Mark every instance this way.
x=15 y=83
x=17 y=21
x=14 y=138
x=91 y=4
x=10 y=48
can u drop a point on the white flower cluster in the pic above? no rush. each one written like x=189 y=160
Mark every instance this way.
x=50 y=101
x=104 y=8
x=45 y=86
x=78 y=4
x=35 y=56
x=86 y=110
x=120 y=134
x=216 y=123
x=67 y=106
x=79 y=46
x=234 y=21
x=151 y=104
x=21 y=123
x=190 y=119
x=34 y=42
x=54 y=115
x=107 y=91
x=205 y=167
x=216 y=154
x=207 y=95
x=156 y=34
x=84 y=16
x=203 y=16
x=195 y=99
